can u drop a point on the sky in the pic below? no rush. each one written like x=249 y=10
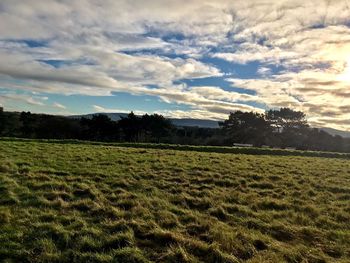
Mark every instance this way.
x=180 y=58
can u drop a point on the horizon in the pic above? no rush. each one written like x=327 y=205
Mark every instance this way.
x=193 y=59
x=329 y=130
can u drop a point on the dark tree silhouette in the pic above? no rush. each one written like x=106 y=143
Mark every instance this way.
x=285 y=119
x=99 y=127
x=130 y=127
x=276 y=128
x=155 y=127
x=29 y=124
x=2 y=120
x=148 y=128
x=246 y=127
x=289 y=127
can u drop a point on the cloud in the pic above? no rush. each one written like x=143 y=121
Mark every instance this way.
x=110 y=71
x=59 y=106
x=105 y=110
x=88 y=48
x=264 y=71
x=192 y=114
x=28 y=99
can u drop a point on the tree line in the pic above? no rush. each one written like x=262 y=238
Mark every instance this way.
x=275 y=128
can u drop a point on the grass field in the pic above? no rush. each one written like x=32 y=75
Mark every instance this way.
x=100 y=203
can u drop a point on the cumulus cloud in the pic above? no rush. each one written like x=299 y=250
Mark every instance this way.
x=59 y=106
x=26 y=98
x=264 y=71
x=91 y=48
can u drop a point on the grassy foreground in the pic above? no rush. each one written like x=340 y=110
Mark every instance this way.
x=100 y=203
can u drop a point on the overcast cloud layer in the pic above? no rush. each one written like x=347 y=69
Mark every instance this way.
x=300 y=51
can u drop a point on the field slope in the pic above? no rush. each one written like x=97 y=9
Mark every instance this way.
x=99 y=203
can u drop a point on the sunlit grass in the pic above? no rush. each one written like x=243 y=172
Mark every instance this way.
x=99 y=203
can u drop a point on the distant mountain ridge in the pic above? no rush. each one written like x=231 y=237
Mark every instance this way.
x=188 y=122
x=202 y=123
x=112 y=116
x=332 y=131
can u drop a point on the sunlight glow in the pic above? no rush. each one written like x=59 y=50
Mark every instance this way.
x=345 y=76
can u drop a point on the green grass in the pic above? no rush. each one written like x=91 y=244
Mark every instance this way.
x=80 y=202
x=180 y=147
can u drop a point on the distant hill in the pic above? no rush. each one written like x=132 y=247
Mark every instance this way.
x=177 y=122
x=195 y=123
x=332 y=131
x=112 y=116
x=188 y=122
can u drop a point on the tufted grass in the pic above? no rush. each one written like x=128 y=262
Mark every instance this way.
x=79 y=202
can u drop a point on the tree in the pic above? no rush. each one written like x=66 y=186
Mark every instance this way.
x=155 y=127
x=289 y=127
x=148 y=128
x=29 y=123
x=285 y=118
x=130 y=127
x=246 y=127
x=9 y=123
x=2 y=120
x=99 y=127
